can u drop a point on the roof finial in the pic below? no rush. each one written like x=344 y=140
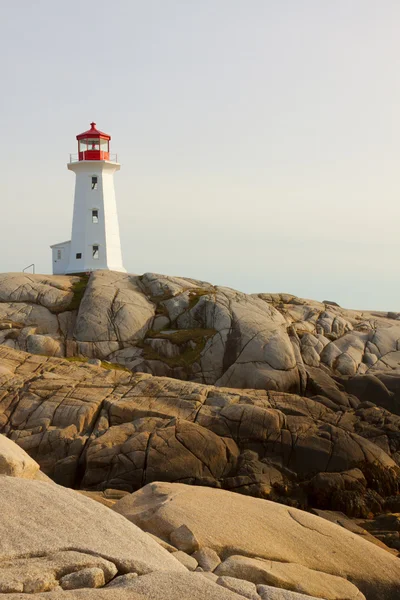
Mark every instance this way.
x=93 y=125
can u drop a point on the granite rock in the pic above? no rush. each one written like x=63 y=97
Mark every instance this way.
x=96 y=428
x=295 y=549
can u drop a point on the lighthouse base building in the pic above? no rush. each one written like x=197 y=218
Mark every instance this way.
x=95 y=242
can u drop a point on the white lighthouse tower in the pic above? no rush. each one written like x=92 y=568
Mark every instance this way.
x=95 y=242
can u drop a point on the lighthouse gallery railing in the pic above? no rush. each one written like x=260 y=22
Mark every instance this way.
x=75 y=158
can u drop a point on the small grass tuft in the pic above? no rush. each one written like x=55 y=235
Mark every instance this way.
x=114 y=367
x=79 y=358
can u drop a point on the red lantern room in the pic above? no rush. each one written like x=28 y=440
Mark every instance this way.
x=93 y=144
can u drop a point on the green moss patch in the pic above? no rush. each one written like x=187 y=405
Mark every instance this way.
x=114 y=367
x=82 y=359
x=181 y=336
x=105 y=365
x=195 y=295
x=189 y=352
x=78 y=289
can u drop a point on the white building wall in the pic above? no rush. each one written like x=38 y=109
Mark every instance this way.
x=60 y=257
x=86 y=233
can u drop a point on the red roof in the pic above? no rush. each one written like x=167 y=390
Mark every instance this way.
x=93 y=133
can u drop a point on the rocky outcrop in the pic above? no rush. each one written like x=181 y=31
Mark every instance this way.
x=266 y=543
x=192 y=330
x=58 y=544
x=15 y=462
x=55 y=543
x=204 y=543
x=95 y=428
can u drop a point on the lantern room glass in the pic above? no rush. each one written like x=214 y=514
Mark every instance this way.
x=93 y=144
x=104 y=145
x=94 y=148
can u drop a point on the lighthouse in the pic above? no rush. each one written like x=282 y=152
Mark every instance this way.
x=95 y=242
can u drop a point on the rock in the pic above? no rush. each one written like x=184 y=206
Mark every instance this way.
x=155 y=586
x=52 y=292
x=184 y=539
x=240 y=586
x=113 y=309
x=86 y=578
x=122 y=581
x=94 y=361
x=99 y=428
x=160 y=323
x=44 y=344
x=342 y=491
x=253 y=527
x=210 y=576
x=98 y=497
x=67 y=569
x=393 y=504
x=267 y=592
x=171 y=586
x=207 y=558
x=40 y=519
x=386 y=528
x=353 y=525
x=15 y=462
x=188 y=561
x=163 y=543
x=290 y=576
x=251 y=341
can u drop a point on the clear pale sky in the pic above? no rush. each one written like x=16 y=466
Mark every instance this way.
x=259 y=139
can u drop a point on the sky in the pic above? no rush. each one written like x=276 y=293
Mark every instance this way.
x=259 y=140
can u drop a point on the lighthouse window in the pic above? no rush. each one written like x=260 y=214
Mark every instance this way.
x=95 y=216
x=93 y=144
x=104 y=145
x=95 y=252
x=94 y=182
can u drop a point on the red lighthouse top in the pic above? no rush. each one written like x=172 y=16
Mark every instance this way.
x=93 y=144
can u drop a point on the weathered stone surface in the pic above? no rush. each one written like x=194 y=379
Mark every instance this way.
x=122 y=581
x=85 y=594
x=222 y=336
x=289 y=576
x=267 y=592
x=51 y=291
x=55 y=539
x=320 y=428
x=98 y=428
x=113 y=309
x=67 y=569
x=385 y=528
x=171 y=586
x=92 y=577
x=188 y=561
x=251 y=527
x=154 y=586
x=240 y=586
x=209 y=575
x=207 y=558
x=355 y=526
x=192 y=330
x=15 y=462
x=40 y=519
x=184 y=539
x=44 y=344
